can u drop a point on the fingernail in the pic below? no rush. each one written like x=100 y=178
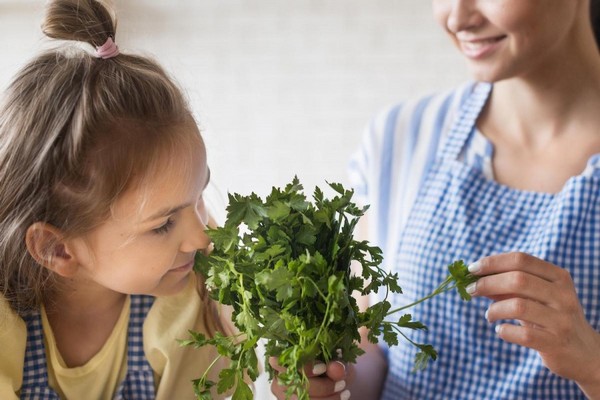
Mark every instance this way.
x=339 y=386
x=486 y=314
x=319 y=369
x=497 y=329
x=345 y=395
x=474 y=267
x=471 y=288
x=343 y=366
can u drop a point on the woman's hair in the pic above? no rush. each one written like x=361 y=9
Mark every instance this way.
x=595 y=16
x=76 y=131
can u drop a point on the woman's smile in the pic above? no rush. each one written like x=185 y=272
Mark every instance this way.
x=478 y=48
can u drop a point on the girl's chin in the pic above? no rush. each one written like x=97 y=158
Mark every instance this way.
x=170 y=286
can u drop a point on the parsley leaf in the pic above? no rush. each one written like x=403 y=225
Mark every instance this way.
x=283 y=265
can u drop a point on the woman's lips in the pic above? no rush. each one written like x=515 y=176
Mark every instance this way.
x=480 y=48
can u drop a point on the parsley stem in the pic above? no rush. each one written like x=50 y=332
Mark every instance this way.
x=405 y=337
x=314 y=284
x=325 y=317
x=443 y=288
x=212 y=364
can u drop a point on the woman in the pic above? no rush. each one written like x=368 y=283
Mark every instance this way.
x=503 y=172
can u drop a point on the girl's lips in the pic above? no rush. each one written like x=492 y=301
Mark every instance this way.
x=479 y=48
x=184 y=268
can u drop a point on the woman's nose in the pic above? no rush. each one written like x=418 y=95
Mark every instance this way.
x=463 y=15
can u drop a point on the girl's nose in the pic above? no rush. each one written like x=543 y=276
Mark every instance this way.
x=196 y=237
x=463 y=15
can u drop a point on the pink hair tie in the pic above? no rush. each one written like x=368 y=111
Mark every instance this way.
x=108 y=50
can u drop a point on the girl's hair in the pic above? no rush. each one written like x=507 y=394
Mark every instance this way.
x=76 y=131
x=595 y=16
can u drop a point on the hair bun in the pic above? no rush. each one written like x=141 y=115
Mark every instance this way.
x=87 y=21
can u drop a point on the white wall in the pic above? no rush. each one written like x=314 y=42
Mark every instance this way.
x=280 y=87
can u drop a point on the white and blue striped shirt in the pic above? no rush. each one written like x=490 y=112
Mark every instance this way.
x=397 y=146
x=426 y=172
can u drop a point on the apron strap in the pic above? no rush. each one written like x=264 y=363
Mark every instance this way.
x=465 y=120
x=593 y=166
x=35 y=374
x=139 y=381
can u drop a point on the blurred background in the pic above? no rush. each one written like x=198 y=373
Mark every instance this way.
x=279 y=87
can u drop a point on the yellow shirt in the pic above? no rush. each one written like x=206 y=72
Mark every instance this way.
x=174 y=366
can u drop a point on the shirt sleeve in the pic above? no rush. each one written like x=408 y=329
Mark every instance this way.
x=398 y=146
x=13 y=337
x=376 y=167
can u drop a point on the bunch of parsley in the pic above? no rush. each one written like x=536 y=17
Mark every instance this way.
x=283 y=265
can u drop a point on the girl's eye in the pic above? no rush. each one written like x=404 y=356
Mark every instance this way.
x=164 y=228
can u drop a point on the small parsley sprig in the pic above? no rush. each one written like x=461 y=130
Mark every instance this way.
x=283 y=265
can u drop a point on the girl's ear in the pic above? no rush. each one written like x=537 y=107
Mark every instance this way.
x=46 y=245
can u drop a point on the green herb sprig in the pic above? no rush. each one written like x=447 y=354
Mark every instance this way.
x=283 y=265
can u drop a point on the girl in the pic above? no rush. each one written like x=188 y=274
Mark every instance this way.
x=102 y=170
x=504 y=173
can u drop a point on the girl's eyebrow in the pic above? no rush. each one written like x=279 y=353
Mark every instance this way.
x=164 y=212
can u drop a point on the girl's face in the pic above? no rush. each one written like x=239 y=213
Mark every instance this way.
x=148 y=244
x=507 y=38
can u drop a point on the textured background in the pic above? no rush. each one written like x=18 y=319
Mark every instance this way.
x=279 y=87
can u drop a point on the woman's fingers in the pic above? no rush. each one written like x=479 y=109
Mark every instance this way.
x=326 y=381
x=336 y=371
x=533 y=318
x=528 y=312
x=318 y=388
x=526 y=335
x=517 y=261
x=522 y=275
x=515 y=283
x=311 y=369
x=542 y=298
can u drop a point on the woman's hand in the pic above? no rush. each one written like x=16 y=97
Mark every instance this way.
x=542 y=297
x=326 y=382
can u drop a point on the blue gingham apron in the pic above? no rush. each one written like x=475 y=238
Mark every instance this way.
x=460 y=214
x=139 y=380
